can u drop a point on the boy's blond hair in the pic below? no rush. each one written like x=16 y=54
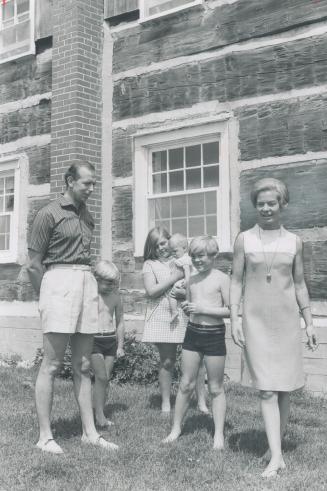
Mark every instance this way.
x=204 y=243
x=106 y=270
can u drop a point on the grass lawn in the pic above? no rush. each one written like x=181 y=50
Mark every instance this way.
x=143 y=463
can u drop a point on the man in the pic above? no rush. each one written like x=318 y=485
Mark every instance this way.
x=59 y=269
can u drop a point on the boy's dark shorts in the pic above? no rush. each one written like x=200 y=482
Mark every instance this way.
x=105 y=345
x=207 y=340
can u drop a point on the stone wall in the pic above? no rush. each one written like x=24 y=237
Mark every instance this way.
x=262 y=63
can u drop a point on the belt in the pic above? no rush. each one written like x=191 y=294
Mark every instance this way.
x=83 y=267
x=105 y=334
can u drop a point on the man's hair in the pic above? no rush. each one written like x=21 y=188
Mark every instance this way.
x=204 y=243
x=179 y=240
x=270 y=184
x=73 y=170
x=106 y=270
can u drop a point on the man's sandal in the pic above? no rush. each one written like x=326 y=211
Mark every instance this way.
x=99 y=442
x=50 y=446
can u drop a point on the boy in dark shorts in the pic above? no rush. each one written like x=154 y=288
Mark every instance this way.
x=205 y=336
x=109 y=341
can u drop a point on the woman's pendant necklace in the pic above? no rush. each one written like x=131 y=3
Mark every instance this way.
x=268 y=268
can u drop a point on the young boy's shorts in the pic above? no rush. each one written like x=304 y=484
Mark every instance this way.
x=207 y=340
x=105 y=345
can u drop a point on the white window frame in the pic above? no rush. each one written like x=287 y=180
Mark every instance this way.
x=144 y=144
x=31 y=45
x=145 y=18
x=17 y=251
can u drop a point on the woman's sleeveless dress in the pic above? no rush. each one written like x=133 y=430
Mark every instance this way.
x=157 y=326
x=271 y=321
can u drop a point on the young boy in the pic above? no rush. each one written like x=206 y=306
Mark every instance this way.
x=179 y=249
x=109 y=342
x=205 y=336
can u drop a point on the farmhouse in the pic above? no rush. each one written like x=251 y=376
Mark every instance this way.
x=181 y=105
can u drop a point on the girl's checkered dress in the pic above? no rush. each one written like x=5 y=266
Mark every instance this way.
x=157 y=327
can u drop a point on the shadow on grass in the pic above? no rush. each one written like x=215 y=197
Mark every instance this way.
x=255 y=442
x=67 y=428
x=116 y=407
x=155 y=401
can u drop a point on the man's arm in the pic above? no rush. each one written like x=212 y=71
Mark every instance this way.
x=35 y=269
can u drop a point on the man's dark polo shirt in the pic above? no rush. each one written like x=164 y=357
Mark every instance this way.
x=62 y=233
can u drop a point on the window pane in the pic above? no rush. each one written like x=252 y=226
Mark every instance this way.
x=193 y=179
x=157 y=6
x=159 y=161
x=9 y=37
x=211 y=225
x=193 y=155
x=178 y=206
x=9 y=184
x=162 y=208
x=211 y=176
x=1 y=204
x=7 y=10
x=23 y=31
x=176 y=158
x=163 y=223
x=196 y=204
x=22 y=6
x=211 y=202
x=7 y=242
x=210 y=153
x=159 y=183
x=176 y=181
x=2 y=185
x=179 y=226
x=4 y=224
x=3 y=242
x=9 y=206
x=196 y=226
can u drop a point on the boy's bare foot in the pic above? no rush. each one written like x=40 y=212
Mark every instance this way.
x=218 y=442
x=267 y=458
x=173 y=435
x=174 y=316
x=271 y=471
x=165 y=408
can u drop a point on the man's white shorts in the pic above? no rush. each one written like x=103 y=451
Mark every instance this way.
x=69 y=300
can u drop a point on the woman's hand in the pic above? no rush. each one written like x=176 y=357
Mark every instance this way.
x=191 y=308
x=312 y=342
x=237 y=333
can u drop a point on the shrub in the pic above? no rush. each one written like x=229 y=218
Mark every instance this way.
x=140 y=365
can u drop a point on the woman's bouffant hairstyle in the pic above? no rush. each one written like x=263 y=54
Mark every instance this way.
x=204 y=243
x=271 y=184
x=106 y=270
x=152 y=240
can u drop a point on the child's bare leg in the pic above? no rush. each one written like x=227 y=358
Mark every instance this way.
x=200 y=389
x=190 y=366
x=173 y=308
x=167 y=353
x=100 y=387
x=109 y=363
x=272 y=420
x=215 y=366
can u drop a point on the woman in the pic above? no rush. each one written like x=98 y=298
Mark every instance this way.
x=268 y=262
x=159 y=276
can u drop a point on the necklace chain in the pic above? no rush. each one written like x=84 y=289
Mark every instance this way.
x=268 y=268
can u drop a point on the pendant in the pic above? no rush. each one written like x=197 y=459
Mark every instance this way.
x=268 y=277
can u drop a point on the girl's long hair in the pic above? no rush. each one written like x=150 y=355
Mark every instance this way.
x=152 y=240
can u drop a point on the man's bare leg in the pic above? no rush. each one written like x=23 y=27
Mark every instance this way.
x=54 y=345
x=81 y=353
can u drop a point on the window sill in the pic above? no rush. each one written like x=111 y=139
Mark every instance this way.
x=144 y=20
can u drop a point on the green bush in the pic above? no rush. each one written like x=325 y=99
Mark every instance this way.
x=140 y=365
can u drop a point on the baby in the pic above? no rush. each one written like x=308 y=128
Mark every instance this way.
x=179 y=249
